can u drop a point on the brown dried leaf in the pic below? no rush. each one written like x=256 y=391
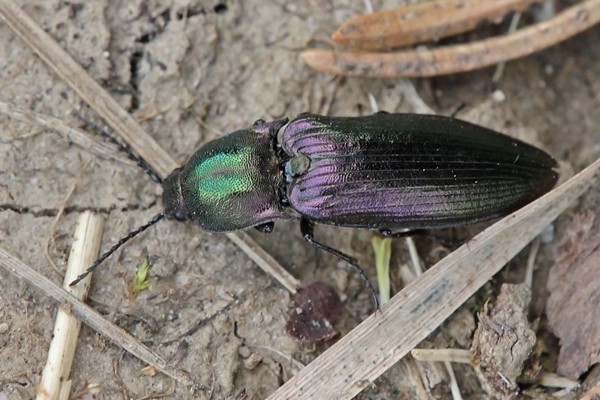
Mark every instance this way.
x=572 y=308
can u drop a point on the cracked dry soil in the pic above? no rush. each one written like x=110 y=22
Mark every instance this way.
x=191 y=71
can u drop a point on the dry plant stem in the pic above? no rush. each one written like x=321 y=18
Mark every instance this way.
x=410 y=316
x=549 y=379
x=75 y=135
x=414 y=256
x=453 y=383
x=416 y=378
x=123 y=124
x=514 y=23
x=422 y=22
x=445 y=355
x=264 y=260
x=459 y=58
x=90 y=317
x=61 y=211
x=55 y=382
x=533 y=251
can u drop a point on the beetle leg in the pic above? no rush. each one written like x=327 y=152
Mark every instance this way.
x=395 y=235
x=458 y=109
x=307 y=228
x=421 y=232
x=267 y=227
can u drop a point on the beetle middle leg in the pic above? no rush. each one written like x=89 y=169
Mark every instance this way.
x=307 y=227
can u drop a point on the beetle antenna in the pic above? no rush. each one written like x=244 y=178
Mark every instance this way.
x=120 y=243
x=123 y=148
x=458 y=109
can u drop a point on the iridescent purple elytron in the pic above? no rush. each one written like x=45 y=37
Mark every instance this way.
x=408 y=171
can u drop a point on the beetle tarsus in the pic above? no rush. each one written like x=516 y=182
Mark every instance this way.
x=307 y=228
x=395 y=235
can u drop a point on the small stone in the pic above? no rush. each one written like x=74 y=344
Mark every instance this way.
x=251 y=362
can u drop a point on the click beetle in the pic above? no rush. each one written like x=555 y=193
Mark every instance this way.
x=408 y=172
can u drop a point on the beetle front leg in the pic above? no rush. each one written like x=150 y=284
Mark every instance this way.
x=307 y=228
x=267 y=227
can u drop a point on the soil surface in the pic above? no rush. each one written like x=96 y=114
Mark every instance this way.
x=192 y=71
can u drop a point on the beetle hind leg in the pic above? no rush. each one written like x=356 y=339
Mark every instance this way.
x=307 y=228
x=421 y=232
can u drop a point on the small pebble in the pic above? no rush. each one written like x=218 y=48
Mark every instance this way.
x=498 y=96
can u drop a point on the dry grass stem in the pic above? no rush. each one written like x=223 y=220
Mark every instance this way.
x=55 y=382
x=444 y=355
x=416 y=378
x=454 y=389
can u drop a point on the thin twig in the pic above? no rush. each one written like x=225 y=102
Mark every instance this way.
x=514 y=23
x=61 y=211
x=264 y=260
x=458 y=58
x=77 y=136
x=454 y=389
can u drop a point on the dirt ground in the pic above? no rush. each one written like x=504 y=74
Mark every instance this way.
x=191 y=71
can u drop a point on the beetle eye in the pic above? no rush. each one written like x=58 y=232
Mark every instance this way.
x=181 y=215
x=258 y=122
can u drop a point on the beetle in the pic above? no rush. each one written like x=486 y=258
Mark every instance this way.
x=403 y=172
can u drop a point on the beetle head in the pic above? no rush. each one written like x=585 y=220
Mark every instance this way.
x=172 y=198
